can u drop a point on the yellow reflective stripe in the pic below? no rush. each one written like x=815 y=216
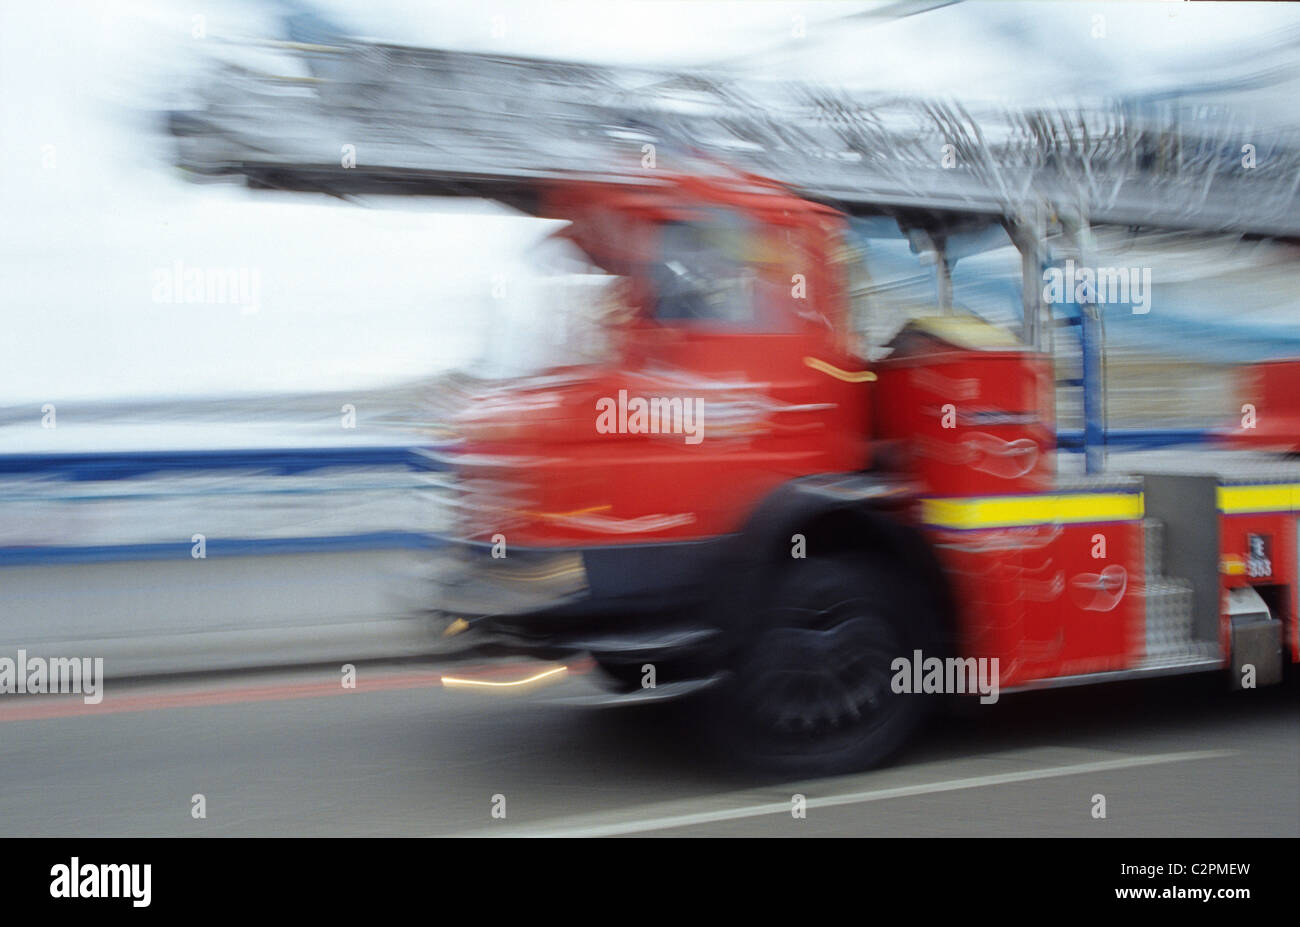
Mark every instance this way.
x=1066 y=508
x=1042 y=509
x=1272 y=497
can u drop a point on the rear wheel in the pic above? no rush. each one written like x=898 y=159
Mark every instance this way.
x=811 y=688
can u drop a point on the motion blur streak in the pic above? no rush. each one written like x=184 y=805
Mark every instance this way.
x=555 y=674
x=732 y=352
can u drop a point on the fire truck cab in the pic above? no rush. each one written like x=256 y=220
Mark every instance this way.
x=733 y=502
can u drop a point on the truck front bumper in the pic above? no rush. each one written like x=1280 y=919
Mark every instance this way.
x=638 y=599
x=473 y=584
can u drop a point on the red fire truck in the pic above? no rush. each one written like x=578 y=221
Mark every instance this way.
x=717 y=493
x=728 y=501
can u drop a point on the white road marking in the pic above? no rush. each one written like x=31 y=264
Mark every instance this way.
x=637 y=823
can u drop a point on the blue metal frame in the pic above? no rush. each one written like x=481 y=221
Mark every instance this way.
x=1094 y=413
x=1077 y=441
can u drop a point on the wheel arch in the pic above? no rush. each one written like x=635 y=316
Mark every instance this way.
x=836 y=515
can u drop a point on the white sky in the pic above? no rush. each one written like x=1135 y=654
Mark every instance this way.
x=354 y=297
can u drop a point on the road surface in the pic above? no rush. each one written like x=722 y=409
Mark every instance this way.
x=295 y=753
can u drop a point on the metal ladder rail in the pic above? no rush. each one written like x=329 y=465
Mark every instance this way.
x=447 y=115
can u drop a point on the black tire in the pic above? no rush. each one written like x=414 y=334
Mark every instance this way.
x=810 y=691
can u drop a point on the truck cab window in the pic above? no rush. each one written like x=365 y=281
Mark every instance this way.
x=702 y=274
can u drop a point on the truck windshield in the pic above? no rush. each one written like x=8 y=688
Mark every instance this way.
x=722 y=271
x=557 y=312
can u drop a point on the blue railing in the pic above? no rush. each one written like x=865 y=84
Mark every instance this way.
x=277 y=461
x=44 y=488
x=148 y=465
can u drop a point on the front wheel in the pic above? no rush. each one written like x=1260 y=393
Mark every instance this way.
x=810 y=693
